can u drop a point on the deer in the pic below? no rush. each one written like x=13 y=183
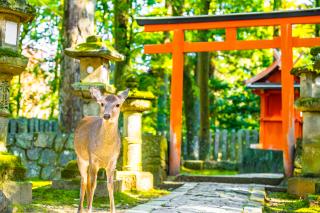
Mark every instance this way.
x=97 y=145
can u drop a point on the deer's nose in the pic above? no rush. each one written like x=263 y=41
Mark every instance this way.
x=106 y=116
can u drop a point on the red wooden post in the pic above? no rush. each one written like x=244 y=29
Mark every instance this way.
x=176 y=101
x=287 y=81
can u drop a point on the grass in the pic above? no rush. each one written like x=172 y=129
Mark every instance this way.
x=186 y=171
x=283 y=202
x=45 y=198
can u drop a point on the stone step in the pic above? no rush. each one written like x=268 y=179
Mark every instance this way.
x=253 y=178
x=170 y=185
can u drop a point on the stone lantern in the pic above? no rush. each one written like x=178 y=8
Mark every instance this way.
x=94 y=56
x=132 y=175
x=12 y=15
x=309 y=105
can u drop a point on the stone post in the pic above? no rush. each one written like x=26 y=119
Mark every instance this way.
x=134 y=106
x=12 y=15
x=133 y=177
x=309 y=104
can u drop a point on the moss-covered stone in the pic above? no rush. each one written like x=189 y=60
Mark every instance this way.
x=297 y=158
x=11 y=168
x=94 y=47
x=310 y=160
x=18 y=7
x=71 y=171
x=137 y=94
x=308 y=104
x=136 y=105
x=12 y=65
x=93 y=39
x=194 y=164
x=82 y=89
x=5 y=51
x=297 y=71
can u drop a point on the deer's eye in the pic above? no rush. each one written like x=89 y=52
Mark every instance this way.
x=117 y=105
x=102 y=104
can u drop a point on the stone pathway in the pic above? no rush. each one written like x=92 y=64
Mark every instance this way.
x=207 y=197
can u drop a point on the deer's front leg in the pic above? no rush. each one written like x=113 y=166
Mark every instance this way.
x=93 y=170
x=110 y=175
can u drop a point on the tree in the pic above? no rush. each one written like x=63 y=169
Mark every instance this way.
x=203 y=67
x=78 y=23
x=122 y=38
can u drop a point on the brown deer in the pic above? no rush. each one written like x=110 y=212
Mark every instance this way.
x=97 y=145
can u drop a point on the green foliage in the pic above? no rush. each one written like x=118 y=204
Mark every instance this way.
x=231 y=104
x=283 y=202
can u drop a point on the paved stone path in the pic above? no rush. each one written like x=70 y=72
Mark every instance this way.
x=207 y=197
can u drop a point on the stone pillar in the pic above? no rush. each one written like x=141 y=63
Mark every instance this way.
x=132 y=175
x=309 y=104
x=132 y=141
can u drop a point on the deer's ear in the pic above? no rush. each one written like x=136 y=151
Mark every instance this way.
x=123 y=95
x=96 y=93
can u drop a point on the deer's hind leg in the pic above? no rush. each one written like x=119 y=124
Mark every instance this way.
x=92 y=183
x=83 y=169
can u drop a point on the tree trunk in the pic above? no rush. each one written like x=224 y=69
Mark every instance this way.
x=121 y=38
x=276 y=6
x=191 y=115
x=78 y=24
x=203 y=67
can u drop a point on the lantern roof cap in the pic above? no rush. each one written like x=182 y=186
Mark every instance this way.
x=94 y=47
x=19 y=8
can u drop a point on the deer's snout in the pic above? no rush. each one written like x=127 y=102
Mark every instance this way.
x=106 y=116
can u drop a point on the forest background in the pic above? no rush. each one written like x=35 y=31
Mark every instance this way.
x=214 y=92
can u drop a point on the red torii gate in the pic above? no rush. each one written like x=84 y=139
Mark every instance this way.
x=285 y=42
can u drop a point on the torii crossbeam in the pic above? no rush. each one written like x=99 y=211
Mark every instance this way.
x=285 y=42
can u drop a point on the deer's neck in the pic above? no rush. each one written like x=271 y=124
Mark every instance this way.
x=110 y=127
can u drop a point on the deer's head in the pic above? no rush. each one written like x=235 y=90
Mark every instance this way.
x=109 y=104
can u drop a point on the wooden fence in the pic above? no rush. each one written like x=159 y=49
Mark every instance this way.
x=231 y=145
x=24 y=125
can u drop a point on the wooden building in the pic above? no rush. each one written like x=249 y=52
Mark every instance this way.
x=267 y=85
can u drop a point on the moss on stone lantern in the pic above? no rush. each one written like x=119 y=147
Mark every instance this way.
x=94 y=56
